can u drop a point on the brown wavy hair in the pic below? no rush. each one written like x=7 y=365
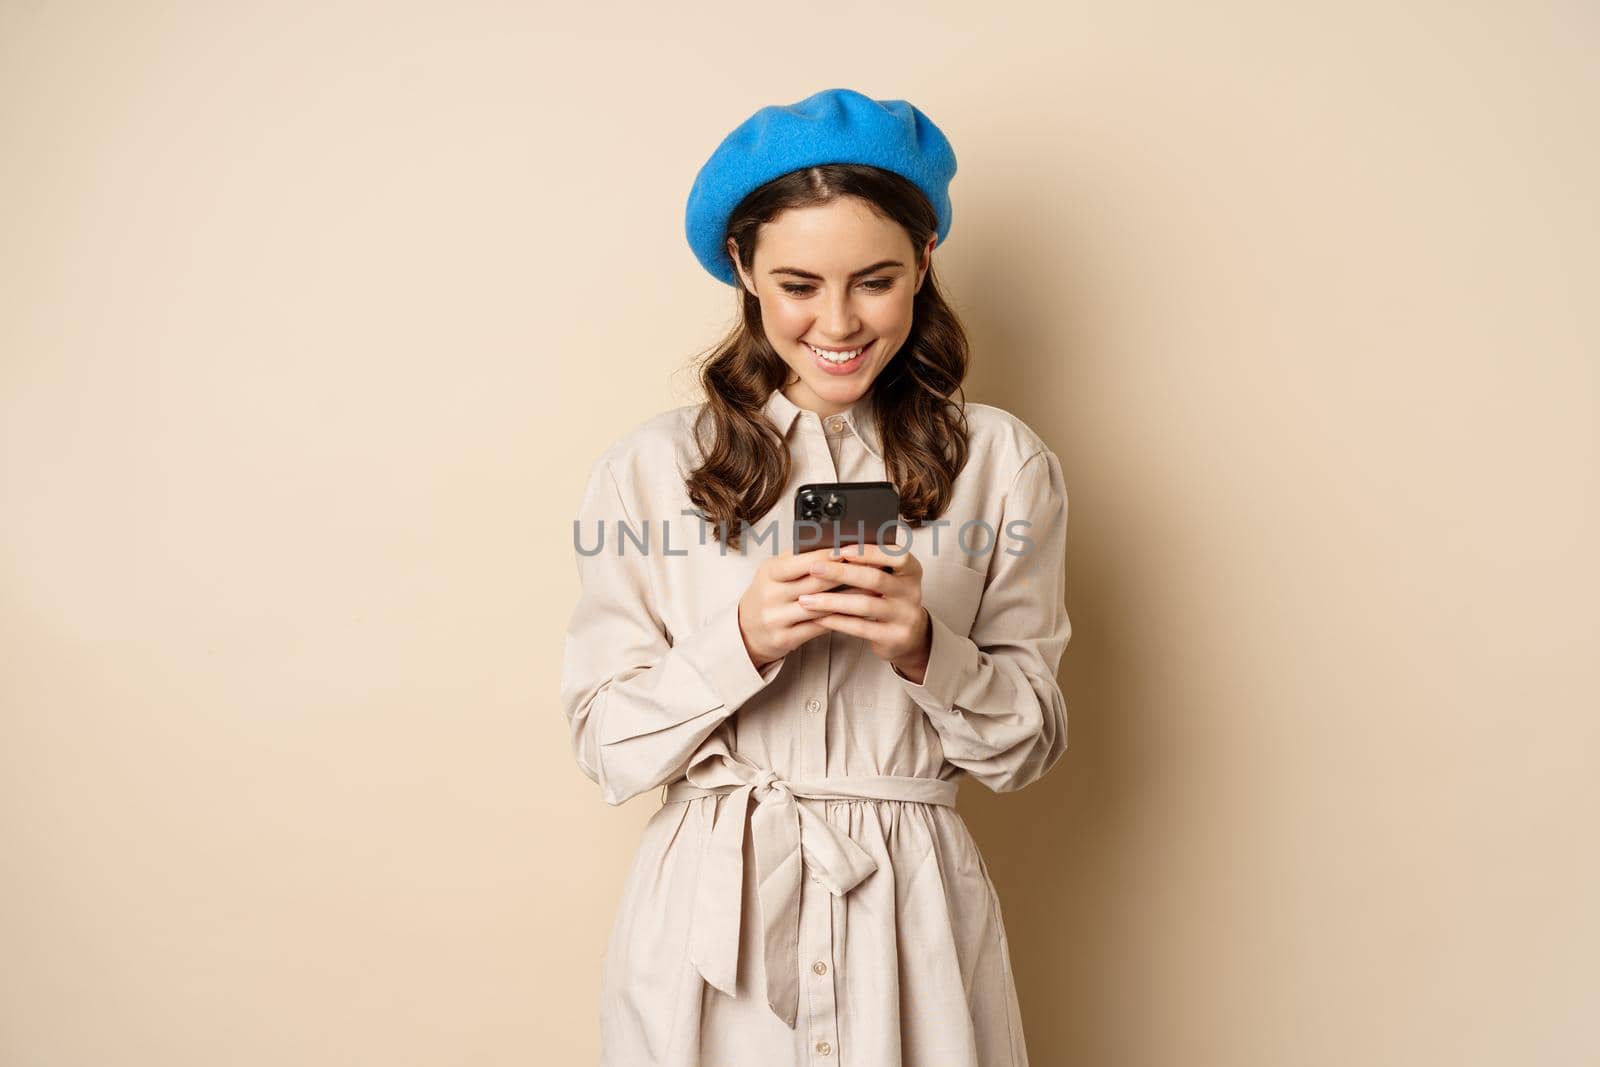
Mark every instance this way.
x=745 y=463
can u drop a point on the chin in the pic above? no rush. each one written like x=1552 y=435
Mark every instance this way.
x=842 y=392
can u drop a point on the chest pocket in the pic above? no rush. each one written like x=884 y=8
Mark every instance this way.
x=951 y=592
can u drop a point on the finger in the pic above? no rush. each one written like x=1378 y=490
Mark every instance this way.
x=870 y=578
x=811 y=583
x=797 y=565
x=802 y=632
x=793 y=614
x=866 y=629
x=785 y=593
x=876 y=555
x=862 y=605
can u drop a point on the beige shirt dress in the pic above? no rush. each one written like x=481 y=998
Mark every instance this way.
x=807 y=893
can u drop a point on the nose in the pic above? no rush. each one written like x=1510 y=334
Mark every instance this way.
x=838 y=320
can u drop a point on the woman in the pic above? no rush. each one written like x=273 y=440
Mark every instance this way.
x=807 y=892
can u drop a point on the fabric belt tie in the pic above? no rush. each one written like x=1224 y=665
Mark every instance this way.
x=786 y=837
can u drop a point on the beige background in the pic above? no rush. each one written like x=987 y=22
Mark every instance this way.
x=313 y=315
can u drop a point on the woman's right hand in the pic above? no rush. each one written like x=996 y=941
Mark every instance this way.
x=770 y=618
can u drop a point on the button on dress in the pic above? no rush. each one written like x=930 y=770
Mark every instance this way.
x=807 y=892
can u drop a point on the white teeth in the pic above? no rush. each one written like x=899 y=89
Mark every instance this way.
x=837 y=357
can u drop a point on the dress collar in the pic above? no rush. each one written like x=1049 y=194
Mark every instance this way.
x=860 y=417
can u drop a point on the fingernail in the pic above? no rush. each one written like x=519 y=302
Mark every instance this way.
x=807 y=598
x=819 y=568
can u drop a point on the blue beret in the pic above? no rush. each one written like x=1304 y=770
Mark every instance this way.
x=833 y=126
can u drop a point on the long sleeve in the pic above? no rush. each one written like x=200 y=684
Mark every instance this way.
x=638 y=703
x=993 y=696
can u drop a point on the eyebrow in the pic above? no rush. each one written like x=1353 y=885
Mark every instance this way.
x=797 y=272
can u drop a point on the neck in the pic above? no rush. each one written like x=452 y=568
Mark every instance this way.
x=802 y=397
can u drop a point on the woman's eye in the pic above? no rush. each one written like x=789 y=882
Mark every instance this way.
x=874 y=285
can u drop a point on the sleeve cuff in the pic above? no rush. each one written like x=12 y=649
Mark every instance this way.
x=719 y=655
x=951 y=658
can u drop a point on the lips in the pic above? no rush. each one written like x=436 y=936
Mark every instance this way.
x=826 y=352
x=840 y=367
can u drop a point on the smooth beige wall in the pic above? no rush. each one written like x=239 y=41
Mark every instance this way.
x=312 y=317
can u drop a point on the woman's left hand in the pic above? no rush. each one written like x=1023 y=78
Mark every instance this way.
x=887 y=611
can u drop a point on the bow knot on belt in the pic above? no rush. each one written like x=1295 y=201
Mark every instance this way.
x=766 y=783
x=786 y=836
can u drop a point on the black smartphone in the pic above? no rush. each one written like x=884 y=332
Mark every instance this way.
x=828 y=514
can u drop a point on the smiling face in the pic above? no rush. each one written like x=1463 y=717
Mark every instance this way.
x=836 y=276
